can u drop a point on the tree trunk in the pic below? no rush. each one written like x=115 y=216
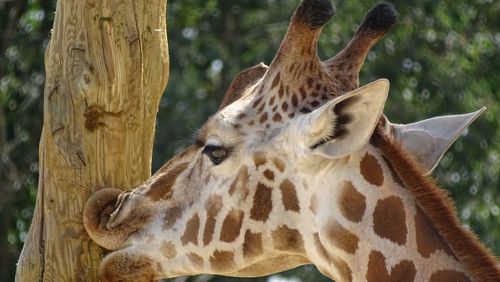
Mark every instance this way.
x=107 y=66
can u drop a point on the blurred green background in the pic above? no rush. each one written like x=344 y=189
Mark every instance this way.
x=442 y=58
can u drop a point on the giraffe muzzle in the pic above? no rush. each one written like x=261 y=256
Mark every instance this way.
x=109 y=218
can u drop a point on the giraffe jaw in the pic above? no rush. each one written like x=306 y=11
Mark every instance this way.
x=102 y=217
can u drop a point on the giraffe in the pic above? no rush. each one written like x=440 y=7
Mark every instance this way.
x=298 y=166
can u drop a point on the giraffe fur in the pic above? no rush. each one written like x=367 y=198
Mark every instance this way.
x=286 y=173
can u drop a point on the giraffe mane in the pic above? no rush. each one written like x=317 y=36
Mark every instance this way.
x=439 y=208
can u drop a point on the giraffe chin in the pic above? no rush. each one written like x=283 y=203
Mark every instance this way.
x=98 y=216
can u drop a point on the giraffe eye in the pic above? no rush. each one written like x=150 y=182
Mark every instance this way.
x=217 y=154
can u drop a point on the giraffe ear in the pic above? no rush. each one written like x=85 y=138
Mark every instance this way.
x=345 y=124
x=429 y=139
x=241 y=82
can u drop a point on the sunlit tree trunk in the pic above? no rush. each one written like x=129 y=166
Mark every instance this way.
x=107 y=66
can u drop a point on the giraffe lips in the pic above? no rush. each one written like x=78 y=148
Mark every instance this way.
x=97 y=213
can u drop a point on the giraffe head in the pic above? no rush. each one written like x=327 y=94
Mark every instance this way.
x=242 y=200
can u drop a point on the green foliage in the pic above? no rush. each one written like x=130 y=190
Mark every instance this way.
x=24 y=27
x=442 y=58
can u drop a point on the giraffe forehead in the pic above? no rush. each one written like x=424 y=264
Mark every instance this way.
x=224 y=127
x=304 y=87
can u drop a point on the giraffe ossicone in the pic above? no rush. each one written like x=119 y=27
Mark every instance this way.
x=296 y=167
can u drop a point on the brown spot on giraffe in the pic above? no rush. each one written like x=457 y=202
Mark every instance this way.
x=168 y=249
x=277 y=117
x=302 y=91
x=259 y=159
x=428 y=239
x=377 y=271
x=222 y=261
x=289 y=196
x=317 y=87
x=303 y=95
x=256 y=103
x=271 y=101
x=389 y=220
x=449 y=275
x=161 y=188
x=352 y=204
x=171 y=216
x=269 y=174
x=252 y=246
x=295 y=101
x=340 y=237
x=212 y=206
x=241 y=115
x=305 y=110
x=196 y=260
x=281 y=91
x=287 y=239
x=208 y=232
x=231 y=226
x=284 y=107
x=276 y=80
x=279 y=164
x=343 y=268
x=261 y=108
x=240 y=182
x=371 y=170
x=262 y=203
x=191 y=233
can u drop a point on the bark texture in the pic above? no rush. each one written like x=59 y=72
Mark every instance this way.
x=106 y=69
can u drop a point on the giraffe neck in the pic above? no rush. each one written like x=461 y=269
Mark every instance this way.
x=372 y=228
x=439 y=208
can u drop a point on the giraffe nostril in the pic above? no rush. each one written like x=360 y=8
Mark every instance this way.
x=122 y=198
x=119 y=210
